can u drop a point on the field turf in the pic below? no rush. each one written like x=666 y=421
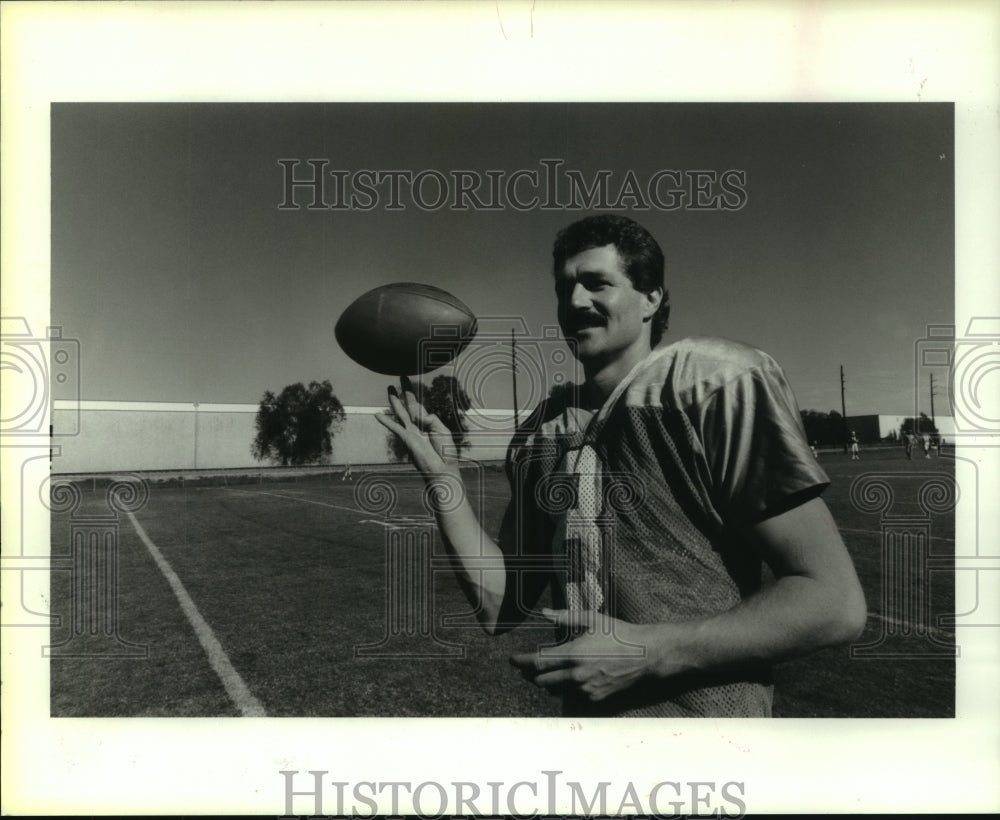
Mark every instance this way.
x=288 y=579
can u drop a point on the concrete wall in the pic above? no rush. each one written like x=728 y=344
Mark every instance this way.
x=98 y=436
x=945 y=424
x=128 y=436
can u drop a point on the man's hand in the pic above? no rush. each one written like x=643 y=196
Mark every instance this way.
x=423 y=433
x=606 y=656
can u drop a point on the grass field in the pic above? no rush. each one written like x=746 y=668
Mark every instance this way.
x=251 y=598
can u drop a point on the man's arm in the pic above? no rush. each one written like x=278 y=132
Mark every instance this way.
x=477 y=560
x=815 y=601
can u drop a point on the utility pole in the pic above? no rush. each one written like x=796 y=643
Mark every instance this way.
x=196 y=435
x=932 y=401
x=513 y=375
x=843 y=406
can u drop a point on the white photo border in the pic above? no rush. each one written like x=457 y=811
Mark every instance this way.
x=504 y=51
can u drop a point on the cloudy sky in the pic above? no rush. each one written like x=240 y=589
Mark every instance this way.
x=184 y=280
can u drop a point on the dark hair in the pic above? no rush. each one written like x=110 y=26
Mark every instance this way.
x=641 y=254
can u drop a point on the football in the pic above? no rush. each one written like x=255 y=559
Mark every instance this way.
x=405 y=329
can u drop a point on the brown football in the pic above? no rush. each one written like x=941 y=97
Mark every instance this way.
x=405 y=329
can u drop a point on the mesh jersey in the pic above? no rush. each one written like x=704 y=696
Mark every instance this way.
x=634 y=510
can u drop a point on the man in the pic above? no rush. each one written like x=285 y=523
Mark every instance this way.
x=649 y=502
x=854 y=447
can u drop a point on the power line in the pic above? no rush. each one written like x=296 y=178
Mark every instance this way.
x=843 y=406
x=932 y=401
x=513 y=375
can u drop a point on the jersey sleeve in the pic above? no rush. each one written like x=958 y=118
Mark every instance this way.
x=755 y=446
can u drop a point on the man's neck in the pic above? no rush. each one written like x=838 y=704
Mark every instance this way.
x=603 y=377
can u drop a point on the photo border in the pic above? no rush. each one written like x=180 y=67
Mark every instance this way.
x=520 y=51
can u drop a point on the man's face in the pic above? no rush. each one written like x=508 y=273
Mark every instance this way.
x=600 y=309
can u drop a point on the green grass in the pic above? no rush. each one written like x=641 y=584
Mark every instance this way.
x=290 y=585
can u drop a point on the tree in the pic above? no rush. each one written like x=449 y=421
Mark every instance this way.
x=448 y=401
x=920 y=425
x=297 y=426
x=564 y=393
x=823 y=428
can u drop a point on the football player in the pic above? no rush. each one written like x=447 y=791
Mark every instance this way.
x=650 y=501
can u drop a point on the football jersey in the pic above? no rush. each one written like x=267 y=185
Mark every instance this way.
x=634 y=509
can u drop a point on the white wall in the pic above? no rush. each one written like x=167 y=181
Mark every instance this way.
x=944 y=424
x=129 y=436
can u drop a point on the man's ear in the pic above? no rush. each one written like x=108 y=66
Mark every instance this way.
x=652 y=304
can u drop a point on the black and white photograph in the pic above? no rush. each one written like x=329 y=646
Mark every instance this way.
x=351 y=431
x=242 y=313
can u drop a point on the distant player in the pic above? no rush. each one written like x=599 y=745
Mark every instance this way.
x=813 y=448
x=925 y=440
x=855 y=456
x=348 y=474
x=909 y=442
x=648 y=502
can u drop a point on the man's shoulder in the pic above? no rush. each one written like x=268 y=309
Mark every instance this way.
x=557 y=415
x=706 y=355
x=691 y=369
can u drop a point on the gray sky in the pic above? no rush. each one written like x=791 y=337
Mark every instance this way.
x=184 y=281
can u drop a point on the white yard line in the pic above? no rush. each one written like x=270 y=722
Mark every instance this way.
x=337 y=506
x=236 y=688
x=472 y=497
x=931 y=630
x=302 y=500
x=879 y=532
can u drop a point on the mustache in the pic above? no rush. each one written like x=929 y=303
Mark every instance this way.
x=576 y=321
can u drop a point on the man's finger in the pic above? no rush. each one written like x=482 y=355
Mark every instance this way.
x=402 y=413
x=557 y=680
x=572 y=619
x=534 y=663
x=433 y=424
x=389 y=423
x=523 y=660
x=556 y=616
x=415 y=408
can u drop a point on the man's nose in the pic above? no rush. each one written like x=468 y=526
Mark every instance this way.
x=580 y=297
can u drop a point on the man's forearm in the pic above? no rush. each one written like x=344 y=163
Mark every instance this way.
x=792 y=617
x=815 y=602
x=476 y=559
